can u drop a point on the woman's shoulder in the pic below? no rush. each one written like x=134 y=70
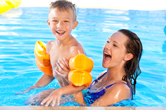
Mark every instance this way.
x=121 y=86
x=102 y=73
x=116 y=93
x=121 y=89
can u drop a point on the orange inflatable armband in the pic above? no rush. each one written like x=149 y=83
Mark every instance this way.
x=42 y=58
x=80 y=66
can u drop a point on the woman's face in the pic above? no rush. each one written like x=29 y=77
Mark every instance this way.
x=114 y=51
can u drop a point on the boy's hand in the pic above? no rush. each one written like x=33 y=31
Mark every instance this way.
x=23 y=92
x=27 y=90
x=63 y=68
x=54 y=97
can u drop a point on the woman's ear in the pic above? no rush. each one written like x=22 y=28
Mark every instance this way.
x=128 y=56
x=75 y=24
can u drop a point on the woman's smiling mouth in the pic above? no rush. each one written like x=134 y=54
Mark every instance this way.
x=106 y=56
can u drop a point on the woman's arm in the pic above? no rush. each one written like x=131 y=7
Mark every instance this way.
x=114 y=94
x=79 y=98
x=55 y=96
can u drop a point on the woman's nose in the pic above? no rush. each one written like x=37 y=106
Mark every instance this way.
x=106 y=47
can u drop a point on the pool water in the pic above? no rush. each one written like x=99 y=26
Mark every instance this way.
x=22 y=27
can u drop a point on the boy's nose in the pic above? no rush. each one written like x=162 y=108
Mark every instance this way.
x=60 y=24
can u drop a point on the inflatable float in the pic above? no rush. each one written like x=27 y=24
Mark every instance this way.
x=42 y=58
x=80 y=65
x=6 y=5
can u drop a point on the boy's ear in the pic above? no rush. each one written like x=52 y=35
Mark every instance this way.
x=128 y=56
x=48 y=22
x=75 y=24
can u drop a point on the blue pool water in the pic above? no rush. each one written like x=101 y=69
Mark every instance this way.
x=20 y=31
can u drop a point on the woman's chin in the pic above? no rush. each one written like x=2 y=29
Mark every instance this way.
x=104 y=65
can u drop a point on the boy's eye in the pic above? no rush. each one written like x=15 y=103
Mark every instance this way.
x=66 y=21
x=55 y=20
x=108 y=41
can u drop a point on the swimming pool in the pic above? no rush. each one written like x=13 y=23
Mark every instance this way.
x=19 y=32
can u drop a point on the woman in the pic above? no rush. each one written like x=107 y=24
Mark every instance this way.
x=121 y=56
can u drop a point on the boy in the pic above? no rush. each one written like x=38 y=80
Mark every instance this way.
x=61 y=20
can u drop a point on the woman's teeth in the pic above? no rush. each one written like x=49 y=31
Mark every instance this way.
x=107 y=56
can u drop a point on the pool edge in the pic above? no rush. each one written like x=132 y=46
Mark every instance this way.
x=76 y=108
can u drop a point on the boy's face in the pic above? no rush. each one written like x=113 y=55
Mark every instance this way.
x=61 y=23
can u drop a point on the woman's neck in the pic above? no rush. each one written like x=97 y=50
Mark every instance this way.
x=115 y=74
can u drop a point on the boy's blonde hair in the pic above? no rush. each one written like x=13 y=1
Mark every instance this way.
x=64 y=5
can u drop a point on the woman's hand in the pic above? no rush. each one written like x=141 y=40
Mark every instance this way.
x=53 y=98
x=63 y=68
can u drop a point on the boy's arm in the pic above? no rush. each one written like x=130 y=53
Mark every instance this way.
x=43 y=81
x=55 y=96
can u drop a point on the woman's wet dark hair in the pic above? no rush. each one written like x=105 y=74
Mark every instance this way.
x=132 y=68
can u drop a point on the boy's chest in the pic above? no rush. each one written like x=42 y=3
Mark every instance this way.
x=58 y=54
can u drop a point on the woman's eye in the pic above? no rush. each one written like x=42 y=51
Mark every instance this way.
x=115 y=45
x=108 y=41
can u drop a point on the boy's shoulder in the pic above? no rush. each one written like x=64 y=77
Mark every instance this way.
x=76 y=49
x=51 y=41
x=75 y=44
x=73 y=47
x=49 y=45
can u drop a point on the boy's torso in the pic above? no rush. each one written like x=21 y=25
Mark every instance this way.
x=58 y=53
